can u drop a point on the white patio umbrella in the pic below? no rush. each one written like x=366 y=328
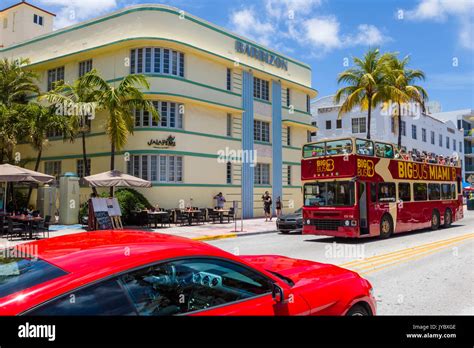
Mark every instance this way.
x=11 y=173
x=115 y=178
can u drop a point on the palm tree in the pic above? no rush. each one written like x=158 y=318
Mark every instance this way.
x=16 y=82
x=400 y=87
x=364 y=84
x=76 y=101
x=38 y=121
x=120 y=103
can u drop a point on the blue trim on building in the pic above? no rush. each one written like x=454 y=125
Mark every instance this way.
x=247 y=144
x=277 y=160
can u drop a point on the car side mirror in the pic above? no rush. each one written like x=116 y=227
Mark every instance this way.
x=277 y=293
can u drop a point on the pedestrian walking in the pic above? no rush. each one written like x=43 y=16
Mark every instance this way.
x=220 y=200
x=267 y=206
x=278 y=206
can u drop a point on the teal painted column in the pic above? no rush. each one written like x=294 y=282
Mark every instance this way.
x=277 y=163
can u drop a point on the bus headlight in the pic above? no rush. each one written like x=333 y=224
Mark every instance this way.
x=347 y=222
x=353 y=222
x=308 y=222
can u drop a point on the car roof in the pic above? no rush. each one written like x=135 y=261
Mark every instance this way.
x=79 y=251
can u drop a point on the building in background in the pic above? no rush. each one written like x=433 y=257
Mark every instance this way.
x=423 y=132
x=224 y=100
x=464 y=119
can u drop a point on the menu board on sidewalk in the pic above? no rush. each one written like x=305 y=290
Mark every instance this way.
x=104 y=209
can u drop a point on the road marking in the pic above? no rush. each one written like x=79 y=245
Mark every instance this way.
x=379 y=262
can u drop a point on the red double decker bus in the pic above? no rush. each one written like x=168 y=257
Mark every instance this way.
x=356 y=188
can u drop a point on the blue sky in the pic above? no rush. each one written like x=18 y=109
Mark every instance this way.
x=437 y=34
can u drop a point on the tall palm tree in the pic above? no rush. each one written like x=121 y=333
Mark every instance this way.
x=120 y=103
x=16 y=82
x=400 y=87
x=75 y=101
x=364 y=84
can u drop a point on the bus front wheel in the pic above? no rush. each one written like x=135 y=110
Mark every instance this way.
x=434 y=220
x=386 y=227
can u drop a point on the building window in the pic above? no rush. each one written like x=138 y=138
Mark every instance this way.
x=308 y=104
x=359 y=125
x=338 y=123
x=288 y=175
x=156 y=60
x=53 y=168
x=440 y=140
x=432 y=138
x=229 y=173
x=447 y=142
x=54 y=133
x=423 y=135
x=229 y=79
x=454 y=144
x=38 y=19
x=157 y=168
x=171 y=116
x=80 y=169
x=229 y=125
x=261 y=89
x=288 y=97
x=288 y=136
x=262 y=174
x=328 y=124
x=460 y=146
x=85 y=67
x=261 y=131
x=404 y=128
x=309 y=136
x=413 y=131
x=55 y=76
x=5 y=23
x=392 y=124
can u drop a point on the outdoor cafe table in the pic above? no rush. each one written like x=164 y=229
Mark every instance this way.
x=190 y=214
x=221 y=214
x=155 y=214
x=28 y=222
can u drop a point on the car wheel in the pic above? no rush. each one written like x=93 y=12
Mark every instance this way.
x=386 y=227
x=434 y=220
x=448 y=218
x=284 y=231
x=358 y=311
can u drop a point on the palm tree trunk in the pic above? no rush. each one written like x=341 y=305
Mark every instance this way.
x=38 y=160
x=84 y=159
x=112 y=163
x=399 y=125
x=369 y=115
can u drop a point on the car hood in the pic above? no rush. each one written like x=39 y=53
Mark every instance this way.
x=291 y=216
x=301 y=272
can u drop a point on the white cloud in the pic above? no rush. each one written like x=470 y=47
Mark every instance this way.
x=74 y=11
x=367 y=35
x=246 y=22
x=322 y=32
x=290 y=8
x=441 y=10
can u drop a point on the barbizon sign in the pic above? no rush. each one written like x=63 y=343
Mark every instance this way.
x=163 y=143
x=261 y=55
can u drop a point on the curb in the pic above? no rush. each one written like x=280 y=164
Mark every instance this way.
x=230 y=235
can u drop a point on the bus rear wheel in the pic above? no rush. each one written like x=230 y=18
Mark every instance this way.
x=448 y=218
x=386 y=227
x=434 y=220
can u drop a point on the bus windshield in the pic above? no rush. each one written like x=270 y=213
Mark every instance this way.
x=328 y=194
x=328 y=148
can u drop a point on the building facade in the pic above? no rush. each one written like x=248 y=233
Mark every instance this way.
x=464 y=119
x=234 y=114
x=420 y=131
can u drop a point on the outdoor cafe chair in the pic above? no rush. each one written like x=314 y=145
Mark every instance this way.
x=180 y=217
x=229 y=215
x=212 y=215
x=43 y=226
x=14 y=229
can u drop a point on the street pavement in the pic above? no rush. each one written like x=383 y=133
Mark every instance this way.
x=417 y=273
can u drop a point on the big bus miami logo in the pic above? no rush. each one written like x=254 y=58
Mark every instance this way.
x=420 y=171
x=323 y=166
x=365 y=167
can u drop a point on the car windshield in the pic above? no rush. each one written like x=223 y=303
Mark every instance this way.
x=299 y=211
x=335 y=193
x=20 y=273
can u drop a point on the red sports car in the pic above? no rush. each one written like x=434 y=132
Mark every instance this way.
x=142 y=273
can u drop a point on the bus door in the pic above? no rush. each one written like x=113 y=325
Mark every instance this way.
x=363 y=208
x=373 y=209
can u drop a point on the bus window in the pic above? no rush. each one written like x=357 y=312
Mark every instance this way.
x=404 y=193
x=433 y=192
x=384 y=150
x=459 y=185
x=314 y=150
x=373 y=192
x=364 y=147
x=420 y=192
x=339 y=147
x=387 y=192
x=446 y=191
x=453 y=190
x=340 y=193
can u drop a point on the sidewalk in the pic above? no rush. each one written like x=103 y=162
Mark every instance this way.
x=208 y=231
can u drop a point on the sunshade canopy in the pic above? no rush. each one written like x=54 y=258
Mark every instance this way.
x=11 y=173
x=115 y=178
